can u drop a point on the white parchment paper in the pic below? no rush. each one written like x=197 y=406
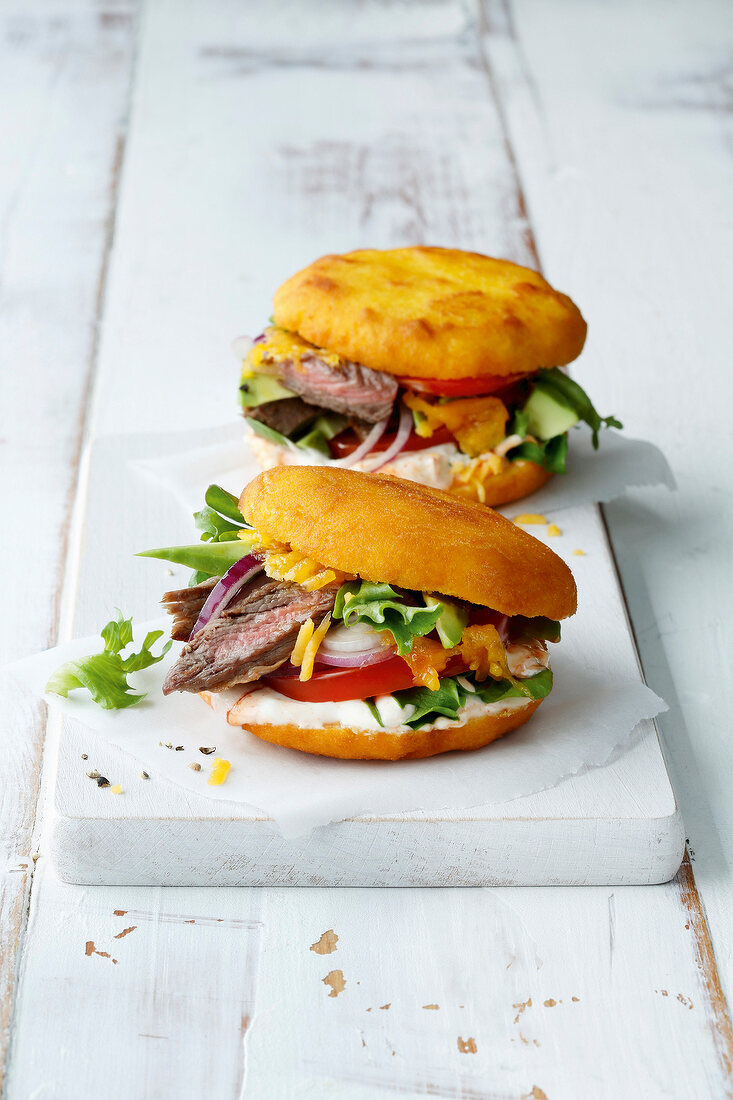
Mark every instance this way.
x=587 y=719
x=592 y=476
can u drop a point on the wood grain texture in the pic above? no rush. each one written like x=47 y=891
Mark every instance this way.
x=64 y=72
x=287 y=136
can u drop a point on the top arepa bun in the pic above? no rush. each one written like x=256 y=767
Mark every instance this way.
x=389 y=530
x=431 y=313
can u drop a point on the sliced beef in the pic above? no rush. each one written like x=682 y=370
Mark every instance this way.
x=252 y=637
x=287 y=415
x=350 y=388
x=185 y=606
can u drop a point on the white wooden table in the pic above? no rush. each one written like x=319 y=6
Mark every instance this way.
x=162 y=167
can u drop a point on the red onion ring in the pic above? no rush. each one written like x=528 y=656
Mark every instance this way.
x=365 y=447
x=226 y=589
x=502 y=628
x=355 y=660
x=242 y=346
x=404 y=432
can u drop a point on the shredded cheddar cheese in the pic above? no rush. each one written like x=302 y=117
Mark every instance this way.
x=579 y=553
x=284 y=564
x=469 y=478
x=478 y=423
x=427 y=659
x=219 y=771
x=312 y=647
x=553 y=529
x=279 y=344
x=528 y=518
x=483 y=651
x=304 y=636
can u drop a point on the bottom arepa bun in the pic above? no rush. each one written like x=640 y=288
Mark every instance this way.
x=517 y=480
x=401 y=743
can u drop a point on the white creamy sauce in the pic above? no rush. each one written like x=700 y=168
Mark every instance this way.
x=432 y=466
x=429 y=467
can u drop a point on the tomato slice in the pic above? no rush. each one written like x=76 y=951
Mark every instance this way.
x=347 y=442
x=339 y=684
x=461 y=387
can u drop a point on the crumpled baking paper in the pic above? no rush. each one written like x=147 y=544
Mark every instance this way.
x=221 y=455
x=586 y=720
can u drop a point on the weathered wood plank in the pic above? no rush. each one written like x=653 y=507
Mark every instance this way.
x=63 y=81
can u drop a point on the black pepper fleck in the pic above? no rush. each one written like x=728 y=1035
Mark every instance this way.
x=205 y=751
x=102 y=781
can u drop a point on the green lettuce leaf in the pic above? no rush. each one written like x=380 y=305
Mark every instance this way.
x=566 y=391
x=451 y=696
x=226 y=504
x=213 y=527
x=215 y=519
x=533 y=687
x=384 y=609
x=197 y=577
x=519 y=424
x=372 y=708
x=429 y=705
x=104 y=675
x=551 y=454
x=267 y=432
x=547 y=630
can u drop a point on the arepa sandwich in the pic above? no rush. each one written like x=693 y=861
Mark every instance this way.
x=365 y=617
x=432 y=364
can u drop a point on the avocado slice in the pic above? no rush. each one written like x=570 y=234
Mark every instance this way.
x=256 y=389
x=547 y=417
x=323 y=429
x=451 y=621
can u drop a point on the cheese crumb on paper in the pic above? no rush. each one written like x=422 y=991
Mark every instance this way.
x=219 y=771
x=528 y=518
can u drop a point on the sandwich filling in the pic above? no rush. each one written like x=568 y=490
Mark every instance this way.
x=307 y=405
x=273 y=636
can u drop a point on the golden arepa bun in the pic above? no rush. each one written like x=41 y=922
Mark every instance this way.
x=385 y=529
x=520 y=478
x=350 y=744
x=360 y=744
x=431 y=313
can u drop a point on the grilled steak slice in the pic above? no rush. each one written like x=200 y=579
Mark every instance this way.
x=350 y=388
x=185 y=606
x=286 y=415
x=252 y=637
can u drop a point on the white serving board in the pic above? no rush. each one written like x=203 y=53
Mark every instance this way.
x=613 y=825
